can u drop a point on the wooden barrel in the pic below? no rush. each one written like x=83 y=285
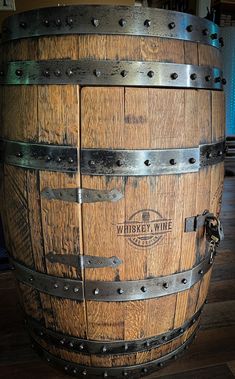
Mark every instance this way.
x=112 y=146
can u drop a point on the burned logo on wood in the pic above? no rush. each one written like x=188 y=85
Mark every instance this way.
x=144 y=228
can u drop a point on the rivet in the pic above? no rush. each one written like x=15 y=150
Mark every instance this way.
x=75 y=290
x=172 y=162
x=189 y=28
x=208 y=78
x=186 y=347
x=150 y=74
x=175 y=357
x=84 y=372
x=205 y=32
x=75 y=371
x=145 y=370
x=193 y=76
x=143 y=289
x=97 y=73
x=58 y=159
x=224 y=81
x=147 y=344
x=218 y=79
x=174 y=76
x=81 y=347
x=181 y=330
x=69 y=72
x=164 y=338
x=31 y=279
x=66 y=288
x=171 y=25
x=192 y=160
x=161 y=364
x=122 y=22
x=95 y=22
x=56 y=285
x=41 y=334
x=105 y=374
x=71 y=344
x=57 y=73
x=120 y=291
x=1 y=73
x=48 y=360
x=209 y=155
x=19 y=72
x=124 y=73
x=184 y=281
x=214 y=36
x=206 y=301
x=221 y=41
x=46 y=73
x=119 y=163
x=58 y=22
x=220 y=153
x=33 y=346
x=147 y=23
x=104 y=349
x=147 y=163
x=66 y=368
x=19 y=154
x=194 y=320
x=91 y=163
x=96 y=291
x=23 y=25
x=62 y=342
x=165 y=285
x=46 y=22
x=70 y=160
x=69 y=21
x=126 y=347
x=125 y=373
x=48 y=158
x=200 y=272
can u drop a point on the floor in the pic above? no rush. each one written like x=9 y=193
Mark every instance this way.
x=211 y=356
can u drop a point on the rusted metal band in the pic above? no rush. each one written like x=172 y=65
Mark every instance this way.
x=111 y=162
x=119 y=20
x=80 y=345
x=119 y=371
x=130 y=290
x=87 y=72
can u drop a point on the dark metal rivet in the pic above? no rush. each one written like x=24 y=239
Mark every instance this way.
x=175 y=357
x=81 y=347
x=66 y=288
x=125 y=373
x=41 y=334
x=206 y=301
x=48 y=360
x=57 y=73
x=200 y=272
x=147 y=344
x=145 y=370
x=220 y=153
x=174 y=76
x=62 y=342
x=96 y=291
x=104 y=349
x=19 y=154
x=69 y=21
x=165 y=285
x=181 y=330
x=23 y=25
x=194 y=320
x=214 y=36
x=56 y=285
x=48 y=158
x=119 y=163
x=1 y=73
x=192 y=160
x=171 y=25
x=218 y=79
x=205 y=32
x=46 y=73
x=69 y=72
x=208 y=78
x=19 y=72
x=126 y=347
x=91 y=163
x=150 y=74
x=75 y=371
x=224 y=81
x=75 y=290
x=172 y=162
x=59 y=160
x=70 y=160
x=193 y=76
x=120 y=291
x=189 y=28
x=147 y=163
x=105 y=374
x=143 y=289
x=58 y=22
x=97 y=73
x=84 y=372
x=147 y=23
x=95 y=22
x=164 y=338
x=46 y=22
x=71 y=344
x=124 y=73
x=209 y=155
x=122 y=22
x=31 y=279
x=161 y=364
x=184 y=281
x=66 y=368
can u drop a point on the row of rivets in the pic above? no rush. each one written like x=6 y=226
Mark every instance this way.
x=147 y=163
x=48 y=158
x=66 y=288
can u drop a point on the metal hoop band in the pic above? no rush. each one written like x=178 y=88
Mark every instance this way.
x=111 y=73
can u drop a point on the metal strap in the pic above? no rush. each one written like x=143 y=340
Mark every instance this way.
x=111 y=73
x=80 y=345
x=193 y=223
x=83 y=261
x=111 y=162
x=113 y=291
x=119 y=371
x=134 y=21
x=81 y=195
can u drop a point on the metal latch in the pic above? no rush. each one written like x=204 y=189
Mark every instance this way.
x=192 y=224
x=83 y=261
x=81 y=195
x=214 y=234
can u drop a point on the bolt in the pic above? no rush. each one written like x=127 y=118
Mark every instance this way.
x=1 y=73
x=91 y=163
x=58 y=159
x=150 y=74
x=143 y=289
x=189 y=28
x=192 y=160
x=48 y=360
x=147 y=163
x=182 y=330
x=19 y=72
x=105 y=374
x=171 y=25
x=194 y=320
x=184 y=281
x=96 y=291
x=174 y=76
x=95 y=22
x=193 y=76
x=41 y=334
x=172 y=162
x=205 y=32
x=206 y=301
x=145 y=370
x=161 y=364
x=164 y=338
x=147 y=344
x=122 y=22
x=31 y=279
x=209 y=155
x=125 y=373
x=75 y=371
x=220 y=153
x=124 y=73
x=126 y=347
x=48 y=158
x=66 y=368
x=23 y=25
x=147 y=23
x=62 y=342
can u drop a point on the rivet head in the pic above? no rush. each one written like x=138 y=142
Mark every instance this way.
x=75 y=290
x=19 y=72
x=48 y=360
x=71 y=344
x=172 y=162
x=192 y=160
x=91 y=163
x=126 y=347
x=46 y=73
x=95 y=22
x=189 y=28
x=205 y=32
x=97 y=73
x=181 y=330
x=209 y=155
x=194 y=320
x=96 y=291
x=171 y=25
x=166 y=285
x=58 y=22
x=150 y=74
x=193 y=76
x=220 y=153
x=48 y=158
x=174 y=76
x=75 y=371
x=66 y=368
x=122 y=22
x=19 y=154
x=147 y=163
x=105 y=375
x=120 y=291
x=70 y=160
x=206 y=301
x=62 y=342
x=56 y=285
x=59 y=159
x=125 y=373
x=164 y=338
x=200 y=272
x=119 y=163
x=214 y=36
x=184 y=281
x=69 y=72
x=161 y=364
x=147 y=23
x=84 y=372
x=31 y=279
x=46 y=22
x=69 y=21
x=124 y=73
x=104 y=349
x=23 y=25
x=1 y=73
x=66 y=288
x=143 y=289
x=147 y=344
x=41 y=334
x=145 y=370
x=57 y=73
x=224 y=81
x=81 y=347
x=208 y=78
